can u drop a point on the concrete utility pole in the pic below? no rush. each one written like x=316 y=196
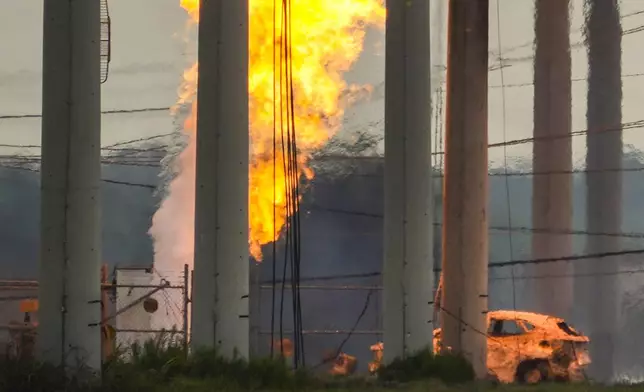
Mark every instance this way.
x=603 y=189
x=70 y=254
x=408 y=276
x=221 y=268
x=255 y=310
x=465 y=198
x=552 y=152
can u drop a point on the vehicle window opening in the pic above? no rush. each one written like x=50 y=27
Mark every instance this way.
x=501 y=328
x=567 y=329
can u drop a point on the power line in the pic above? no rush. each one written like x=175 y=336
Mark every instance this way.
x=155 y=163
x=574 y=171
x=505 y=150
x=589 y=256
x=632 y=14
x=151 y=161
x=109 y=181
x=112 y=147
x=530 y=84
x=629 y=125
x=575 y=275
x=108 y=112
x=633 y=235
x=142 y=139
x=586 y=257
x=328 y=278
x=623 y=126
x=356 y=323
x=520 y=277
x=577 y=44
x=556 y=172
x=543 y=173
x=126 y=183
x=499 y=228
x=633 y=30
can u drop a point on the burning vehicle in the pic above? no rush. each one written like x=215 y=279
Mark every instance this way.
x=526 y=347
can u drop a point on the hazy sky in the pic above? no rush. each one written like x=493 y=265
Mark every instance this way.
x=149 y=54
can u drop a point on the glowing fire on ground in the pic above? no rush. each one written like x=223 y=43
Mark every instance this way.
x=326 y=39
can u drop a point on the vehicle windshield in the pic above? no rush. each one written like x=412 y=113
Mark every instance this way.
x=567 y=329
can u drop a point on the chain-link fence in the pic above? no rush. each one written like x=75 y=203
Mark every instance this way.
x=148 y=304
x=139 y=304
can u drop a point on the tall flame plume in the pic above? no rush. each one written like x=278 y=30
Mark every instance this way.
x=326 y=39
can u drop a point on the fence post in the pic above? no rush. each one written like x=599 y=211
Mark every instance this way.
x=186 y=305
x=106 y=336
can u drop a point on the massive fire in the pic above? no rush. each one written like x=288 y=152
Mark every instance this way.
x=326 y=40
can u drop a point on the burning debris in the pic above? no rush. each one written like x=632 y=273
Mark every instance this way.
x=283 y=347
x=525 y=347
x=377 y=350
x=343 y=365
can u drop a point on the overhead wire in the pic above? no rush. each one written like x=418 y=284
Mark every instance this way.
x=288 y=146
x=106 y=180
x=286 y=178
x=295 y=197
x=573 y=275
x=112 y=111
x=274 y=244
x=505 y=161
x=365 y=275
x=497 y=228
x=502 y=264
x=505 y=151
x=350 y=333
x=580 y=79
x=154 y=161
x=577 y=44
x=438 y=166
x=638 y=124
x=170 y=108
x=635 y=235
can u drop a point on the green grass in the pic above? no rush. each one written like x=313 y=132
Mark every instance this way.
x=425 y=365
x=161 y=366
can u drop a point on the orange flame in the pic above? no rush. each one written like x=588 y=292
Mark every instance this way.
x=326 y=40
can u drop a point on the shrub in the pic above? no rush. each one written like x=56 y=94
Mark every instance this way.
x=163 y=361
x=425 y=365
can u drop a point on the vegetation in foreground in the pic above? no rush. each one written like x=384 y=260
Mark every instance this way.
x=165 y=368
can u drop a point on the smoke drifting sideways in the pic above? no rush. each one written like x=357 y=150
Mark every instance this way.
x=173 y=226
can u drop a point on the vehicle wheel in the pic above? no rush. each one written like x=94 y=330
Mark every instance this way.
x=533 y=372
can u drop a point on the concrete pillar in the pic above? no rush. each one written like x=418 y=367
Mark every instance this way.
x=604 y=189
x=465 y=197
x=552 y=194
x=221 y=281
x=255 y=309
x=408 y=230
x=70 y=254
